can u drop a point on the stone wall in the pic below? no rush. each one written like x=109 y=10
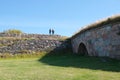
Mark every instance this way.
x=31 y=44
x=100 y=41
x=24 y=35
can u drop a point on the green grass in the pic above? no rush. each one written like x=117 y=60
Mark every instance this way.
x=59 y=67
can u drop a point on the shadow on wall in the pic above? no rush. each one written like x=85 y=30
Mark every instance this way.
x=64 y=57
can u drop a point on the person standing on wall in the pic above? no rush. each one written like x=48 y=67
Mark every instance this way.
x=50 y=31
x=53 y=31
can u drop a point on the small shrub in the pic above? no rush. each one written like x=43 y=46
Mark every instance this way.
x=13 y=31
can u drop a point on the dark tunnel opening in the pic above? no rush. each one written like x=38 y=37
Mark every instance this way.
x=82 y=50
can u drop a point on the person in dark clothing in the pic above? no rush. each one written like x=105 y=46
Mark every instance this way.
x=50 y=31
x=53 y=32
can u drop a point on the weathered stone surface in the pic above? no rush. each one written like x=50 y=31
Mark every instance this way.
x=101 y=41
x=30 y=45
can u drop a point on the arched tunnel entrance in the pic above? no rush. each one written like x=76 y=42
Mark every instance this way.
x=82 y=50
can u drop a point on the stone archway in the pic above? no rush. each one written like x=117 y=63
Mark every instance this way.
x=82 y=50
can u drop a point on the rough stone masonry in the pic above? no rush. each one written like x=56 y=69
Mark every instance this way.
x=30 y=43
x=99 y=39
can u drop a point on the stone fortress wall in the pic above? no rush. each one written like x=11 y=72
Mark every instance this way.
x=99 y=39
x=29 y=43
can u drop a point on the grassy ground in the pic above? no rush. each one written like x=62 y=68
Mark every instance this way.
x=60 y=67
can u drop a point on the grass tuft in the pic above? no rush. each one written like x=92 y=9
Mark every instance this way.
x=23 y=55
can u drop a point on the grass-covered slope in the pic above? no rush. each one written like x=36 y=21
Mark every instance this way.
x=59 y=67
x=99 y=23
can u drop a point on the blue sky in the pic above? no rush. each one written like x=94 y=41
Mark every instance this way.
x=65 y=16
